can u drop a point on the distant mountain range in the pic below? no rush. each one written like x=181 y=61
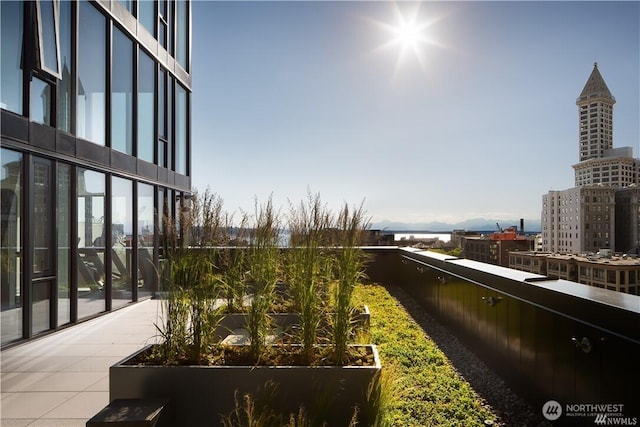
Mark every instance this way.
x=477 y=224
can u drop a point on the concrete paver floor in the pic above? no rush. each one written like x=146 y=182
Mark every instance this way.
x=62 y=379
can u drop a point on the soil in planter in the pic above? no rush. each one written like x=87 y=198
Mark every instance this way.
x=240 y=355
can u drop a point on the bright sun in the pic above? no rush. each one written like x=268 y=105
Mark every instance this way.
x=408 y=35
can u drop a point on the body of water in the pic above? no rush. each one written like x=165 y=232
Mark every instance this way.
x=444 y=237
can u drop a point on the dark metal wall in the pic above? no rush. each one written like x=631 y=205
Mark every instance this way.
x=548 y=339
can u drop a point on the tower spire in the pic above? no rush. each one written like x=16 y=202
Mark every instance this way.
x=595 y=87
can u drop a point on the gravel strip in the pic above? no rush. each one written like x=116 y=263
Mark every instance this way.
x=496 y=396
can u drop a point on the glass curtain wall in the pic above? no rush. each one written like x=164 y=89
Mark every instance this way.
x=40 y=102
x=63 y=225
x=91 y=107
x=146 y=232
x=122 y=93
x=181 y=130
x=11 y=14
x=121 y=241
x=42 y=223
x=11 y=184
x=182 y=39
x=91 y=242
x=63 y=90
x=146 y=100
x=147 y=15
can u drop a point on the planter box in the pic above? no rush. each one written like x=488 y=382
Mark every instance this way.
x=201 y=395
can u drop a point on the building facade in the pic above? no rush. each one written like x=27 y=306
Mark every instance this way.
x=591 y=216
x=95 y=105
x=605 y=270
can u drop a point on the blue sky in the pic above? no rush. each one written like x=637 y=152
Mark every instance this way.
x=480 y=122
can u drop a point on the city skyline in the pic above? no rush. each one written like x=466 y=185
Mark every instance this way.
x=468 y=113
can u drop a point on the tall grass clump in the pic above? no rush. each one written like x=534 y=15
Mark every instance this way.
x=234 y=265
x=308 y=267
x=349 y=268
x=264 y=267
x=191 y=284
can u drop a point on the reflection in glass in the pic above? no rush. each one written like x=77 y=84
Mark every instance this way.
x=162 y=118
x=181 y=130
x=146 y=83
x=42 y=266
x=48 y=40
x=147 y=14
x=121 y=238
x=63 y=224
x=10 y=243
x=91 y=74
x=40 y=102
x=128 y=4
x=146 y=234
x=63 y=91
x=10 y=66
x=42 y=222
x=181 y=34
x=41 y=305
x=122 y=93
x=90 y=262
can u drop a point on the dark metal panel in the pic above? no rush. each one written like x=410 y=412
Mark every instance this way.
x=42 y=136
x=163 y=175
x=563 y=360
x=502 y=329
x=14 y=126
x=183 y=182
x=65 y=143
x=89 y=151
x=122 y=161
x=146 y=169
x=527 y=350
x=544 y=353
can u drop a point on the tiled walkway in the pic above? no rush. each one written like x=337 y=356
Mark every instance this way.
x=62 y=380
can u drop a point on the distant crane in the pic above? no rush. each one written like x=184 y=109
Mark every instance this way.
x=499 y=228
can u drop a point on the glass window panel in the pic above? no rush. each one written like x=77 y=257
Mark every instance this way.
x=122 y=93
x=90 y=107
x=146 y=99
x=181 y=130
x=41 y=306
x=182 y=40
x=42 y=221
x=128 y=4
x=48 y=36
x=63 y=225
x=162 y=110
x=90 y=262
x=40 y=101
x=121 y=241
x=169 y=123
x=11 y=14
x=63 y=95
x=147 y=14
x=146 y=235
x=10 y=243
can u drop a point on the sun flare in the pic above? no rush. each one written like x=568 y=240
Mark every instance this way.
x=409 y=34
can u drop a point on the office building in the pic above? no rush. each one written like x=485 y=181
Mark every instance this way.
x=95 y=104
x=592 y=216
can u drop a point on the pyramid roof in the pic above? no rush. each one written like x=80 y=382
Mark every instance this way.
x=595 y=86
